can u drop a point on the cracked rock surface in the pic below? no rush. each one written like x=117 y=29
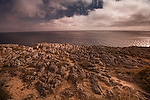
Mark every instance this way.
x=51 y=71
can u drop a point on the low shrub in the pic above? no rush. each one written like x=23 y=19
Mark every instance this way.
x=4 y=95
x=142 y=77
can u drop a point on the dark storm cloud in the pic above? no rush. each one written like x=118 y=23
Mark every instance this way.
x=19 y=14
x=5 y=7
x=49 y=9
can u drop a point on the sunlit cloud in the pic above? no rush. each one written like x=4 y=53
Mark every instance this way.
x=125 y=13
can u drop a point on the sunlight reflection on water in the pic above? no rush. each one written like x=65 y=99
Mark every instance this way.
x=107 y=38
x=142 y=41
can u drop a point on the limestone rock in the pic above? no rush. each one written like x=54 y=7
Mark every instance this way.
x=104 y=79
x=96 y=88
x=66 y=93
x=125 y=77
x=55 y=82
x=40 y=89
x=115 y=83
x=52 y=68
x=61 y=71
x=110 y=94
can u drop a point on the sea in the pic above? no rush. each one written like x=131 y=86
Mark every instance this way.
x=106 y=38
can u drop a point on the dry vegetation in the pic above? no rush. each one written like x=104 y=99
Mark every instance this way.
x=140 y=75
x=4 y=95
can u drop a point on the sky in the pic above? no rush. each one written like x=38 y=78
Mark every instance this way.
x=56 y=15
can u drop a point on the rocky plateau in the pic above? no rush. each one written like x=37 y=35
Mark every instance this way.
x=51 y=71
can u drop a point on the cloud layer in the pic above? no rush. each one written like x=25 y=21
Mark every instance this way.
x=48 y=15
x=29 y=8
x=115 y=14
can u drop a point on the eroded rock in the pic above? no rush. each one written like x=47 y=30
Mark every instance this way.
x=96 y=88
x=40 y=89
x=104 y=79
x=66 y=93
x=52 y=68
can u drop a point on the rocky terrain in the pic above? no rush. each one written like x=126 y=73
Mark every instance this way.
x=71 y=72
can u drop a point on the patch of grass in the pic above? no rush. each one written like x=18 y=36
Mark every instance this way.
x=4 y=95
x=56 y=53
x=106 y=52
x=5 y=65
x=65 y=56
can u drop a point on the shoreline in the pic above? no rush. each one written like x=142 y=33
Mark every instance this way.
x=34 y=45
x=61 y=71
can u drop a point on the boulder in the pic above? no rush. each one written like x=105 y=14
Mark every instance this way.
x=73 y=76
x=52 y=68
x=35 y=55
x=43 y=79
x=108 y=59
x=85 y=64
x=42 y=69
x=81 y=72
x=104 y=79
x=117 y=88
x=50 y=77
x=96 y=61
x=81 y=92
x=128 y=88
x=109 y=94
x=45 y=86
x=51 y=90
x=66 y=93
x=107 y=74
x=61 y=71
x=55 y=82
x=115 y=83
x=40 y=89
x=96 y=88
x=94 y=69
x=125 y=77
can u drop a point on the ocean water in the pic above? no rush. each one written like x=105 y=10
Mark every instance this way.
x=107 y=38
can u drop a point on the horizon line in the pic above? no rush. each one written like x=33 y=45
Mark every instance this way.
x=73 y=31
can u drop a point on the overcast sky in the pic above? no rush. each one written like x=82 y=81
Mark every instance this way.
x=50 y=15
